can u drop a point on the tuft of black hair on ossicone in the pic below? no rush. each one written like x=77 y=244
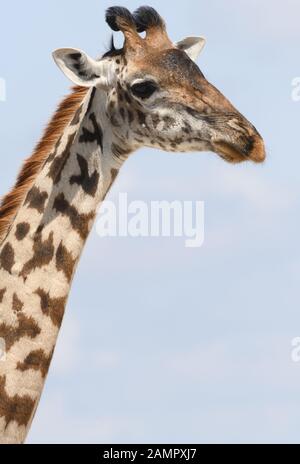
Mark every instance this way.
x=146 y=17
x=115 y=12
x=112 y=51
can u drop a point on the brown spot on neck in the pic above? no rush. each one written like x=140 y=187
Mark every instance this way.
x=88 y=183
x=36 y=199
x=17 y=303
x=15 y=408
x=22 y=230
x=96 y=136
x=79 y=222
x=36 y=360
x=59 y=162
x=43 y=251
x=7 y=257
x=52 y=307
x=25 y=327
x=65 y=261
x=2 y=293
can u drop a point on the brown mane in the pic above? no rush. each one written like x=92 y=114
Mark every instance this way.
x=32 y=165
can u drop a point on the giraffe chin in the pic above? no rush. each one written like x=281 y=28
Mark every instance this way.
x=234 y=155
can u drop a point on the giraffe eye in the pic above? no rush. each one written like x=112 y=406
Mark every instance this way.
x=144 y=89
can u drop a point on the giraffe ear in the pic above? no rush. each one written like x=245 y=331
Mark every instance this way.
x=82 y=69
x=192 y=46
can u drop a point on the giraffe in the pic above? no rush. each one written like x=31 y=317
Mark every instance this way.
x=148 y=93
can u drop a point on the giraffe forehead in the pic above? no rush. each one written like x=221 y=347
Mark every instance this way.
x=170 y=67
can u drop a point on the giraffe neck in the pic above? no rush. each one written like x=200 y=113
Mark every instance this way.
x=39 y=255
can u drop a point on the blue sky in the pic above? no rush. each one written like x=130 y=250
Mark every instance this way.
x=162 y=343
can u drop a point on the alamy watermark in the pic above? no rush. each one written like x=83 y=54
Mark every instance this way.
x=296 y=89
x=2 y=350
x=2 y=89
x=152 y=219
x=295 y=353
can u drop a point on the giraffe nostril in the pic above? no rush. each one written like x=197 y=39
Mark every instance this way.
x=249 y=146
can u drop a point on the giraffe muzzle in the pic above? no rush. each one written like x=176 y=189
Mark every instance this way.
x=235 y=154
x=242 y=143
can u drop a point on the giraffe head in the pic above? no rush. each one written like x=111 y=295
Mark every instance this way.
x=156 y=94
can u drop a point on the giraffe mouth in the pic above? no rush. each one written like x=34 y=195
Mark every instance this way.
x=230 y=153
x=253 y=151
